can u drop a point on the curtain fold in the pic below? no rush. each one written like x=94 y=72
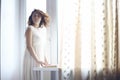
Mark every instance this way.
x=77 y=61
x=90 y=40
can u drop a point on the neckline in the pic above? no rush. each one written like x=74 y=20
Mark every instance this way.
x=37 y=27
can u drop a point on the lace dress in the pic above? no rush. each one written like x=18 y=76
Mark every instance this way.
x=39 y=44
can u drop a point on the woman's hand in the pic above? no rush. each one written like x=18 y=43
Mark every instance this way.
x=41 y=63
x=46 y=64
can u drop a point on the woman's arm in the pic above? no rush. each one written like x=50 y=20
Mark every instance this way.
x=29 y=45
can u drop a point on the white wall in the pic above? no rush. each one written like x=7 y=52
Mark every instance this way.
x=10 y=49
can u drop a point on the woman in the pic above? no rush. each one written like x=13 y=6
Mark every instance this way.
x=35 y=43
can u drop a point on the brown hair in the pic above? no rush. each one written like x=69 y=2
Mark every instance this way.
x=44 y=18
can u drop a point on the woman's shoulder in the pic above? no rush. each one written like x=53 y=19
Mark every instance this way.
x=29 y=29
x=30 y=26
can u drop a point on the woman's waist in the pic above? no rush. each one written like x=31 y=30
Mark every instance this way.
x=39 y=52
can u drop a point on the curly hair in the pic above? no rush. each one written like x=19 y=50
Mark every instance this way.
x=44 y=18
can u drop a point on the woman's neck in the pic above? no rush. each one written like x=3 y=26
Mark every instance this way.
x=36 y=25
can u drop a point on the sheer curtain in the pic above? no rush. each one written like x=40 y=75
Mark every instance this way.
x=89 y=39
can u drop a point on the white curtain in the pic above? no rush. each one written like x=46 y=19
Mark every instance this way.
x=89 y=39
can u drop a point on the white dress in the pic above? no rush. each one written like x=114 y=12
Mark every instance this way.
x=39 y=43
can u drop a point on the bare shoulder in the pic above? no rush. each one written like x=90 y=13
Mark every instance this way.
x=28 y=31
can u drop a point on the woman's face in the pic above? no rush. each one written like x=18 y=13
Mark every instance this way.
x=36 y=18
